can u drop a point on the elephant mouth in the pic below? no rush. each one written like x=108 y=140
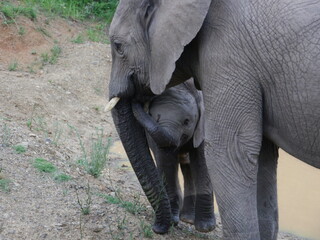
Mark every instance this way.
x=144 y=95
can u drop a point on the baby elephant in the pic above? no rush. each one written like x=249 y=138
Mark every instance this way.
x=175 y=131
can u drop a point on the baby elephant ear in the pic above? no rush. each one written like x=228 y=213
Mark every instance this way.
x=198 y=135
x=174 y=24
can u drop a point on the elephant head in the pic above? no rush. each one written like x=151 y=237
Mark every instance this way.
x=176 y=116
x=147 y=38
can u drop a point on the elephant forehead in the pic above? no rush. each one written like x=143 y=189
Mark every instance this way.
x=173 y=101
x=174 y=110
x=124 y=17
x=127 y=6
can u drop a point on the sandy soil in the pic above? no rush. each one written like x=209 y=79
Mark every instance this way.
x=50 y=112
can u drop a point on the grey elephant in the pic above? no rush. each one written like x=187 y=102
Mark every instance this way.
x=175 y=131
x=257 y=63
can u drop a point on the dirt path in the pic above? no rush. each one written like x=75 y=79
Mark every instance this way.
x=53 y=114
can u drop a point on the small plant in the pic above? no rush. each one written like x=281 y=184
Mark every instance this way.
x=20 y=149
x=55 y=52
x=56 y=133
x=85 y=207
x=134 y=207
x=111 y=199
x=52 y=58
x=122 y=223
x=21 y=31
x=13 y=66
x=44 y=166
x=79 y=39
x=45 y=58
x=29 y=123
x=146 y=229
x=98 y=156
x=62 y=177
x=4 y=185
x=31 y=69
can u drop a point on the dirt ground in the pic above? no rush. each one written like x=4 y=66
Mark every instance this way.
x=54 y=111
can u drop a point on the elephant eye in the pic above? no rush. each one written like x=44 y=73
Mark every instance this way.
x=186 y=122
x=118 y=47
x=149 y=10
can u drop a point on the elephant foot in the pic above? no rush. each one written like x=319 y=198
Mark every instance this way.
x=188 y=212
x=160 y=228
x=175 y=219
x=187 y=217
x=175 y=210
x=205 y=225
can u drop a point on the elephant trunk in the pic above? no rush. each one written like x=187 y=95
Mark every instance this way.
x=160 y=136
x=135 y=143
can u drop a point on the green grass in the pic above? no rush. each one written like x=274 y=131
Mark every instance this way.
x=146 y=229
x=13 y=66
x=111 y=199
x=62 y=177
x=4 y=185
x=97 y=34
x=19 y=149
x=79 y=39
x=134 y=207
x=11 y=11
x=44 y=166
x=52 y=57
x=55 y=53
x=101 y=10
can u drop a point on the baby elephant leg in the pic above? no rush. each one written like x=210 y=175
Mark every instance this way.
x=187 y=213
x=204 y=213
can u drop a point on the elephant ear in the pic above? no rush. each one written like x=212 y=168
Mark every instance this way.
x=174 y=24
x=198 y=135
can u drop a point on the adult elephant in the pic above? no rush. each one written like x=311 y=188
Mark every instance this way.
x=257 y=62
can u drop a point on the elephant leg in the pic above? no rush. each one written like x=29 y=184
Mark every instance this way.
x=204 y=212
x=187 y=213
x=267 y=191
x=232 y=150
x=167 y=163
x=234 y=180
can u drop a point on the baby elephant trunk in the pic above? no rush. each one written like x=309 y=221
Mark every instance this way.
x=161 y=136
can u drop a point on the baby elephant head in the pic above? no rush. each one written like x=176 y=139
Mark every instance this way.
x=179 y=114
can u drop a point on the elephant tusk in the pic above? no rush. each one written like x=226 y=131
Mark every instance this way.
x=111 y=104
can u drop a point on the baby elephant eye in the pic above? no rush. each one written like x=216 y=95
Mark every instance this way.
x=118 y=47
x=186 y=121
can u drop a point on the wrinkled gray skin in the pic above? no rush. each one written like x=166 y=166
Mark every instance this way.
x=175 y=131
x=257 y=62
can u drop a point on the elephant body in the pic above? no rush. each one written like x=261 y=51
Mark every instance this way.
x=175 y=135
x=257 y=63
